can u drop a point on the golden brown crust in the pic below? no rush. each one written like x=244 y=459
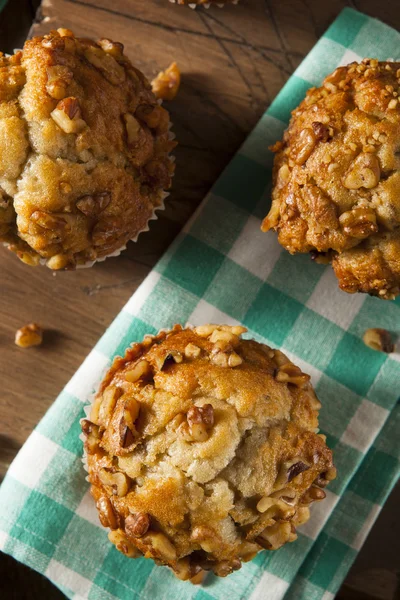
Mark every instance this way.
x=202 y=449
x=86 y=159
x=337 y=175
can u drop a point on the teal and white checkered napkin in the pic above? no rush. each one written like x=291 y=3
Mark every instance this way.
x=221 y=268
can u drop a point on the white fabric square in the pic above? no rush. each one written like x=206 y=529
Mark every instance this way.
x=136 y=301
x=329 y=301
x=256 y=250
x=207 y=313
x=87 y=510
x=89 y=374
x=33 y=459
x=328 y=596
x=270 y=587
x=320 y=513
x=71 y=579
x=364 y=424
x=348 y=57
x=366 y=528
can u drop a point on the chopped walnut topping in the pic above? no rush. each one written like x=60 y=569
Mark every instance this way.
x=161 y=545
x=92 y=436
x=303 y=146
x=29 y=335
x=290 y=373
x=192 y=351
x=275 y=536
x=92 y=205
x=106 y=513
x=122 y=544
x=137 y=525
x=359 y=222
x=140 y=371
x=127 y=427
x=364 y=171
x=321 y=131
x=118 y=481
x=132 y=128
x=379 y=339
x=313 y=494
x=67 y=115
x=200 y=420
x=166 y=85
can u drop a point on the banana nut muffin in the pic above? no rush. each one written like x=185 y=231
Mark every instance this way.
x=337 y=178
x=83 y=150
x=202 y=449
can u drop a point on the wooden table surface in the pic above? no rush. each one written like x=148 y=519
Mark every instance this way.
x=233 y=62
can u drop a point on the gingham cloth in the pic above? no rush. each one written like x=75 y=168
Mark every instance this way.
x=221 y=268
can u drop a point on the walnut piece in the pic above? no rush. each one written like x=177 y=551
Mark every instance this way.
x=67 y=116
x=166 y=85
x=29 y=335
x=379 y=339
x=137 y=525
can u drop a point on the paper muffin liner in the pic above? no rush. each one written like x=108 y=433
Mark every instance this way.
x=208 y=4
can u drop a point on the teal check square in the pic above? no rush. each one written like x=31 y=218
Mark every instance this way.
x=32 y=529
x=219 y=215
x=325 y=558
x=166 y=305
x=390 y=432
x=288 y=98
x=202 y=595
x=302 y=588
x=93 y=545
x=269 y=131
x=193 y=266
x=295 y=276
x=64 y=479
x=375 y=471
x=384 y=390
x=272 y=314
x=313 y=338
x=372 y=315
x=124 y=330
x=346 y=460
x=280 y=563
x=339 y=404
x=71 y=440
x=354 y=364
x=58 y=421
x=351 y=514
x=235 y=278
x=345 y=35
x=243 y=183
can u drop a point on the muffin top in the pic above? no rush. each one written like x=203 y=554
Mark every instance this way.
x=83 y=150
x=336 y=177
x=202 y=449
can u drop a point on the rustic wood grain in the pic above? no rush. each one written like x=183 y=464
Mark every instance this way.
x=233 y=61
